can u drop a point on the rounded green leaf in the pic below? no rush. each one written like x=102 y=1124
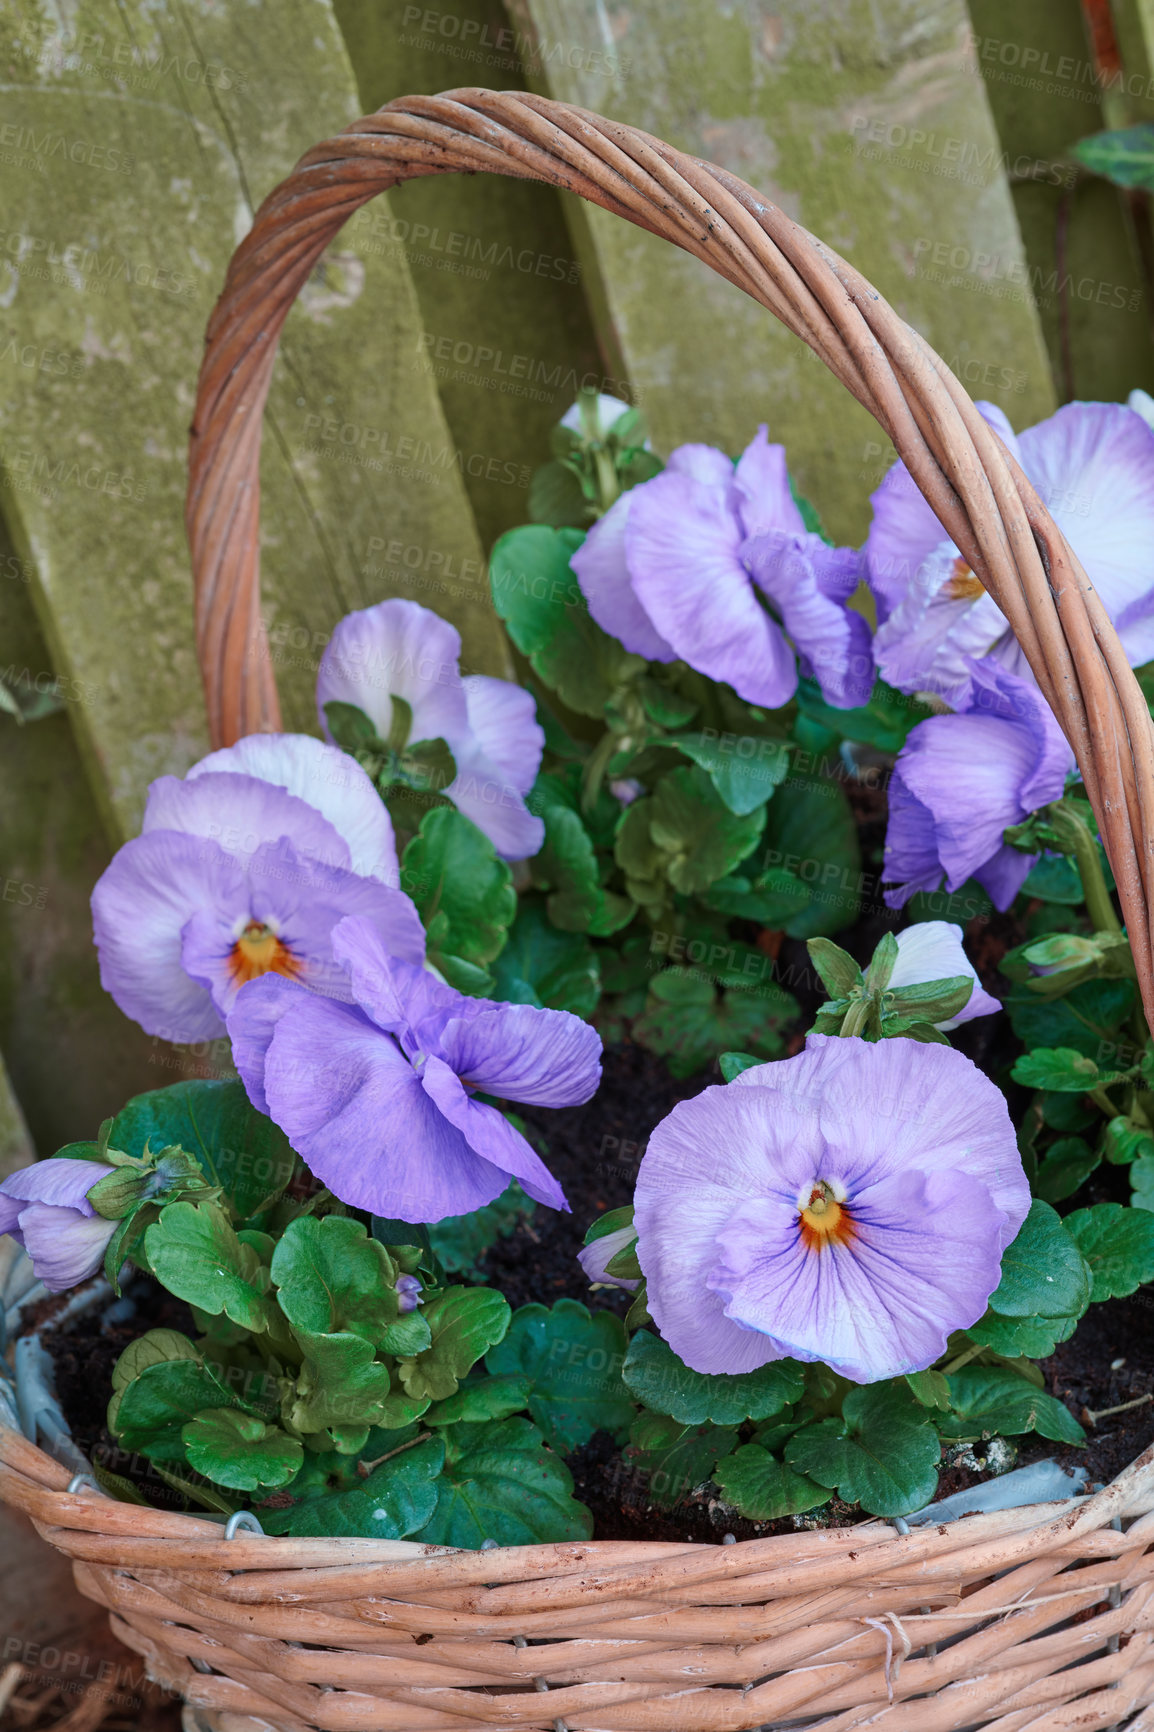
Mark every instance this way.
x=659 y=1379
x=1118 y=1245
x=239 y=1451
x=883 y=1453
x=762 y=1488
x=500 y=1483
x=572 y=1359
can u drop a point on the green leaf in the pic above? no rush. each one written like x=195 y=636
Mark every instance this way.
x=463 y=892
x=1022 y=1337
x=573 y=1360
x=499 y=1482
x=660 y=1380
x=676 y=1458
x=543 y=966
x=464 y=1321
x=566 y=864
x=557 y=498
x=194 y=1252
x=1085 y=1019
x=763 y=1488
x=744 y=769
x=239 y=1451
x=1062 y=1070
x=992 y=1401
x=1043 y=1272
x=929 y=1388
x=536 y=593
x=772 y=897
x=733 y=1063
x=883 y=1453
x=149 y=1414
x=810 y=831
x=396 y=1499
x=332 y=1277
x=1118 y=1245
x=1064 y=1168
x=884 y=722
x=156 y=1347
x=460 y=1241
x=685 y=832
x=839 y=972
x=352 y=730
x=1055 y=878
x=690 y=1029
x=1068 y=1113
x=1124 y=155
x=236 y=1146
x=1142 y=1179
x=339 y=1385
x=1124 y=1141
x=482 y=1399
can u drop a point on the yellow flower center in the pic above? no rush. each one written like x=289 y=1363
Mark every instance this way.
x=259 y=951
x=962 y=585
x=824 y=1220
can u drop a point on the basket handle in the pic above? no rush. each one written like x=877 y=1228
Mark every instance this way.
x=974 y=486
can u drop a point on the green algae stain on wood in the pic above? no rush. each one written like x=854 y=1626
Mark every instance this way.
x=142 y=137
x=505 y=330
x=863 y=122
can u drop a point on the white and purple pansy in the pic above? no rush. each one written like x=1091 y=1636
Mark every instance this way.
x=850 y=1205
x=711 y=562
x=398 y=649
x=933 y=950
x=377 y=1095
x=1093 y=467
x=241 y=869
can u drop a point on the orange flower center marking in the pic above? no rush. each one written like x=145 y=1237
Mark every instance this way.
x=259 y=951
x=962 y=585
x=824 y=1221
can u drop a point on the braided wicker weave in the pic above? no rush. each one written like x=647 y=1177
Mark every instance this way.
x=1039 y=1618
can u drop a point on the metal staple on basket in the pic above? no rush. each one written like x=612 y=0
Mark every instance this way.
x=1039 y=1618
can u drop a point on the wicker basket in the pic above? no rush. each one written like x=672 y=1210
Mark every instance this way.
x=1038 y=1618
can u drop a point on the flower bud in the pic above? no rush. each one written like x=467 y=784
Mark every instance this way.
x=408 y=1290
x=46 y=1209
x=595 y=1258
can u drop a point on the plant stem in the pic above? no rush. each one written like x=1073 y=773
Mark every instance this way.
x=608 y=487
x=1074 y=832
x=595 y=767
x=956 y=1364
x=1103 y=1102
x=365 y=1468
x=856 y=1017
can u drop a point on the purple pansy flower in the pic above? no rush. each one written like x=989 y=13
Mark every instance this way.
x=961 y=780
x=849 y=1205
x=377 y=1095
x=932 y=950
x=241 y=869
x=45 y=1207
x=713 y=563
x=398 y=649
x=1093 y=467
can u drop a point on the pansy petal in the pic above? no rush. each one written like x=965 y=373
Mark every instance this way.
x=519 y=1052
x=923 y=1261
x=490 y=1135
x=809 y=584
x=603 y=574
x=932 y=950
x=485 y=796
x=252 y=1022
x=396 y=648
x=354 y=1110
x=240 y=813
x=1003 y=874
x=59 y=1180
x=911 y=845
x=895 y=1106
x=966 y=770
x=997 y=691
x=762 y=483
x=935 y=627
x=140 y=906
x=65 y=1248
x=397 y=995
x=704 y=463
x=326 y=778
x=683 y=542
x=1093 y=465
x=503 y=722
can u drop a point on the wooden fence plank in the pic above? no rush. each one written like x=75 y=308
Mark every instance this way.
x=863 y=122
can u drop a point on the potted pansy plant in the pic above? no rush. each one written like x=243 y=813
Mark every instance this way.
x=876 y=1186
